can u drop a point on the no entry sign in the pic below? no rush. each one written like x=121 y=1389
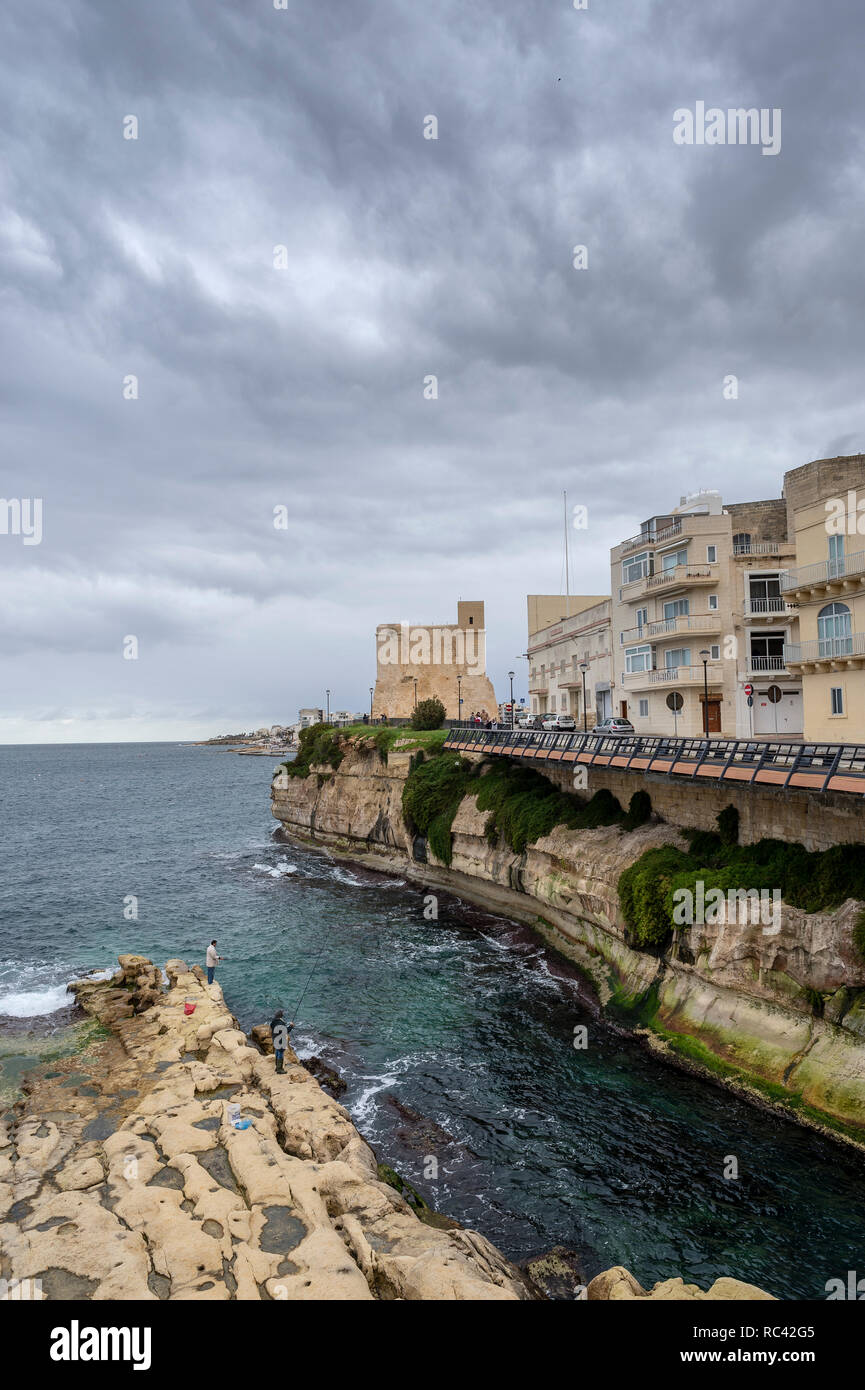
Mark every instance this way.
x=749 y=689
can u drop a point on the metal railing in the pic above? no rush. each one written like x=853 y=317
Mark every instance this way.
x=651 y=537
x=759 y=607
x=811 y=766
x=825 y=648
x=682 y=622
x=756 y=548
x=844 y=567
x=766 y=663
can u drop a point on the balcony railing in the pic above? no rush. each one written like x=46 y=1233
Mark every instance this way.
x=827 y=572
x=673 y=675
x=766 y=607
x=651 y=537
x=825 y=649
x=766 y=663
x=683 y=622
x=681 y=574
x=757 y=548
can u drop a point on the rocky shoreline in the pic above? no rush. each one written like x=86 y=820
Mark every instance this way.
x=131 y=1182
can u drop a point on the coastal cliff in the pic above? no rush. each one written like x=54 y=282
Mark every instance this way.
x=728 y=999
x=132 y=1183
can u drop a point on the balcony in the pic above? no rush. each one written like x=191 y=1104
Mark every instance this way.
x=775 y=607
x=673 y=676
x=828 y=653
x=651 y=538
x=672 y=627
x=668 y=581
x=830 y=576
x=759 y=665
x=760 y=547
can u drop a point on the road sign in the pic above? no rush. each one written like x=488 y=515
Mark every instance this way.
x=750 y=701
x=774 y=692
x=674 y=700
x=749 y=689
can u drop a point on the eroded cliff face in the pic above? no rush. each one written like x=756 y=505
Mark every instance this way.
x=733 y=996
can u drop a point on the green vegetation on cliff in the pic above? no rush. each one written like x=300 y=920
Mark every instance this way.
x=523 y=806
x=317 y=743
x=814 y=880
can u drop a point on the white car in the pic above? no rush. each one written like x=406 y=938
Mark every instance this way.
x=559 y=721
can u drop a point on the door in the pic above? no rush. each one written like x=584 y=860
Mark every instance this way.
x=714 y=721
x=623 y=706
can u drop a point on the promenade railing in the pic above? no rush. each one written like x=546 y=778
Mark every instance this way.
x=814 y=766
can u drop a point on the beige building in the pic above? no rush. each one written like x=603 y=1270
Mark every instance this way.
x=698 y=615
x=419 y=662
x=559 y=649
x=826 y=503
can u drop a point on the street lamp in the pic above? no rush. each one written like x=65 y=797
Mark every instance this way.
x=584 y=666
x=370 y=702
x=511 y=678
x=459 y=699
x=705 y=654
x=415 y=692
x=328 y=705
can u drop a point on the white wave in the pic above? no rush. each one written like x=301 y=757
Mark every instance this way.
x=32 y=1003
x=276 y=870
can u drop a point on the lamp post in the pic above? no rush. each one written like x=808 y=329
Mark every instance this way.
x=584 y=666
x=459 y=699
x=705 y=654
x=327 y=692
x=511 y=679
x=370 y=702
x=415 y=692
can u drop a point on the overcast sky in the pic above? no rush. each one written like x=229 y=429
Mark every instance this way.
x=406 y=257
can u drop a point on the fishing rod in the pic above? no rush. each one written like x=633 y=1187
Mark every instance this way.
x=309 y=978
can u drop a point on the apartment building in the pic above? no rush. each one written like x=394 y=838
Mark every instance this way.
x=826 y=508
x=570 y=653
x=698 y=615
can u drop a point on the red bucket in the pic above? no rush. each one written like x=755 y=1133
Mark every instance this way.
x=189 y=1007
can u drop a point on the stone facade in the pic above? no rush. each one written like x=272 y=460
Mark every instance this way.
x=417 y=662
x=556 y=653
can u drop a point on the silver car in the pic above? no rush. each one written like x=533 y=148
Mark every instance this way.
x=559 y=721
x=614 y=726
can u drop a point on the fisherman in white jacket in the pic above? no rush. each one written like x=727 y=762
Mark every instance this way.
x=212 y=961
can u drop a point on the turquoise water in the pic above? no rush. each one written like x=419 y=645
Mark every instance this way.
x=455 y=1035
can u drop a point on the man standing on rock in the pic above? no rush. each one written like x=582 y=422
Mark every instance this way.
x=212 y=961
x=279 y=1031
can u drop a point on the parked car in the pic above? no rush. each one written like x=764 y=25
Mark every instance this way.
x=534 y=721
x=525 y=721
x=614 y=726
x=559 y=721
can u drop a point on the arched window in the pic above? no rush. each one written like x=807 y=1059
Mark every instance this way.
x=742 y=543
x=835 y=630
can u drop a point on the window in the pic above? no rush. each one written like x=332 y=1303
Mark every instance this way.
x=742 y=543
x=713 y=603
x=644 y=708
x=715 y=651
x=711 y=554
x=767 y=651
x=638 y=659
x=836 y=557
x=635 y=567
x=834 y=626
x=837 y=695
x=677 y=608
x=680 y=656
x=674 y=558
x=642 y=616
x=764 y=594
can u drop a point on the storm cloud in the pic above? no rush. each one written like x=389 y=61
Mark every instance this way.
x=295 y=379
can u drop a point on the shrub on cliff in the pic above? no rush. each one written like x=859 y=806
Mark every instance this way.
x=429 y=714
x=317 y=743
x=639 y=811
x=813 y=880
x=431 y=797
x=525 y=806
